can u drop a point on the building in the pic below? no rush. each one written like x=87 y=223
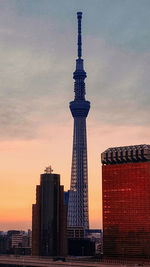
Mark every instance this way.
x=16 y=242
x=75 y=232
x=96 y=236
x=84 y=243
x=29 y=235
x=78 y=196
x=81 y=247
x=5 y=244
x=49 y=217
x=126 y=201
x=17 y=239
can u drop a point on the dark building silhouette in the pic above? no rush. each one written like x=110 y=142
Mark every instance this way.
x=36 y=223
x=126 y=201
x=49 y=217
x=5 y=244
x=15 y=242
x=81 y=247
x=78 y=197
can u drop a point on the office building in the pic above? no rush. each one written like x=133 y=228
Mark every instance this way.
x=17 y=239
x=126 y=201
x=78 y=196
x=49 y=217
x=16 y=242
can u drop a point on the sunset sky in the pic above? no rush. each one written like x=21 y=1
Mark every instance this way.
x=37 y=59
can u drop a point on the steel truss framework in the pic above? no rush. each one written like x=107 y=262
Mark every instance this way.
x=78 y=197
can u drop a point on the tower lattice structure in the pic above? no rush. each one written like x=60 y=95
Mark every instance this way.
x=78 y=197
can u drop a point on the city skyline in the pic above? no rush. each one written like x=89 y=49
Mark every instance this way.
x=37 y=48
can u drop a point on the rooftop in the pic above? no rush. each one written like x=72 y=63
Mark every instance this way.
x=124 y=154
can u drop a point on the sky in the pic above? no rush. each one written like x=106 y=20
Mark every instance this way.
x=38 y=48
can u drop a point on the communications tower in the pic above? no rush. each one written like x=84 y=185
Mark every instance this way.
x=78 y=196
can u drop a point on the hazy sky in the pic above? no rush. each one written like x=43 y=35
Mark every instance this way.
x=37 y=59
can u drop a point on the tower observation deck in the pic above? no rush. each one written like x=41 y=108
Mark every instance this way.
x=78 y=197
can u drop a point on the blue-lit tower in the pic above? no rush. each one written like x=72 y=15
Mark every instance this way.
x=78 y=196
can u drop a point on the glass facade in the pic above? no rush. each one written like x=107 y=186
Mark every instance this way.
x=126 y=209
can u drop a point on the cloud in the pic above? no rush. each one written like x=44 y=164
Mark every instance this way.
x=118 y=84
x=33 y=74
x=36 y=85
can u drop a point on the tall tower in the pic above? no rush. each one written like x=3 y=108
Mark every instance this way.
x=78 y=196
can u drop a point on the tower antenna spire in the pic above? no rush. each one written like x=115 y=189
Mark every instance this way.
x=78 y=215
x=79 y=17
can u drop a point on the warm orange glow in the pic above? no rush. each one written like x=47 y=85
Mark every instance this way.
x=22 y=162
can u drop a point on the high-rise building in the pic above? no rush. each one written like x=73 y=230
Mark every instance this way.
x=78 y=196
x=49 y=217
x=126 y=201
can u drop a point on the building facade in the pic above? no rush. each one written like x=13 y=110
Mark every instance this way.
x=17 y=240
x=126 y=201
x=49 y=217
x=78 y=195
